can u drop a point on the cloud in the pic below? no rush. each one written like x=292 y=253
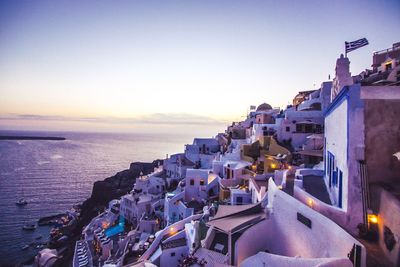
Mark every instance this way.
x=151 y=119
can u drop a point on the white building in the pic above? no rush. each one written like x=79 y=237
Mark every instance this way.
x=175 y=208
x=302 y=232
x=240 y=196
x=258 y=189
x=264 y=122
x=175 y=167
x=147 y=190
x=235 y=169
x=203 y=151
x=305 y=117
x=133 y=206
x=344 y=138
x=201 y=185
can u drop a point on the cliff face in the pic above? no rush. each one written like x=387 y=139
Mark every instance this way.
x=113 y=188
x=103 y=192
x=119 y=184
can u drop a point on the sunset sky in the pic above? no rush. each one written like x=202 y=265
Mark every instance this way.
x=125 y=65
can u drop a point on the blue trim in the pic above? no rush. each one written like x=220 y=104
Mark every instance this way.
x=331 y=166
x=335 y=177
x=340 y=202
x=325 y=157
x=337 y=101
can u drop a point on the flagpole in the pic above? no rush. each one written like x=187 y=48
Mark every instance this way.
x=345 y=50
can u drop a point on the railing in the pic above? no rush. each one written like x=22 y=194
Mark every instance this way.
x=178 y=226
x=81 y=244
x=395 y=47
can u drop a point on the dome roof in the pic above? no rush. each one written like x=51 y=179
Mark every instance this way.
x=264 y=106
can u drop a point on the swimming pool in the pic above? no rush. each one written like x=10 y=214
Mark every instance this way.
x=116 y=229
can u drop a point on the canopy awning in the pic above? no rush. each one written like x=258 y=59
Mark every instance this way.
x=230 y=219
x=230 y=210
x=232 y=224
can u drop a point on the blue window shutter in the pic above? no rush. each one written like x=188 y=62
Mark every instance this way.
x=335 y=178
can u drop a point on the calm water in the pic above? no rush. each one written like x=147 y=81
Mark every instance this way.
x=54 y=175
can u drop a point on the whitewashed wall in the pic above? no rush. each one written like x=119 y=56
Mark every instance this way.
x=281 y=233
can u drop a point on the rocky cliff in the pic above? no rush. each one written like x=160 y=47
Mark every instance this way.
x=114 y=187
x=103 y=192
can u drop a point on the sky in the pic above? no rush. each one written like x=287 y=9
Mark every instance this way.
x=145 y=65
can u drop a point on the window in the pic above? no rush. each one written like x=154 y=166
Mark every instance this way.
x=299 y=128
x=172 y=254
x=191 y=182
x=287 y=129
x=202 y=182
x=309 y=128
x=228 y=173
x=335 y=178
x=239 y=200
x=330 y=167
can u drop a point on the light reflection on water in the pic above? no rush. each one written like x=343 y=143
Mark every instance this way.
x=54 y=175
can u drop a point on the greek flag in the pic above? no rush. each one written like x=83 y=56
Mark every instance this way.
x=252 y=107
x=350 y=46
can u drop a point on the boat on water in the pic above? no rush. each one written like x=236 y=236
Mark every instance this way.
x=29 y=226
x=38 y=237
x=25 y=247
x=21 y=202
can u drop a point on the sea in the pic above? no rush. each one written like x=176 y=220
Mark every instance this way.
x=55 y=175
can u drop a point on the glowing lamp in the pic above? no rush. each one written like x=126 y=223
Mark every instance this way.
x=280 y=187
x=310 y=202
x=273 y=165
x=105 y=225
x=372 y=218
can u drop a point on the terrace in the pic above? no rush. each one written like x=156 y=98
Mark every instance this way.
x=82 y=255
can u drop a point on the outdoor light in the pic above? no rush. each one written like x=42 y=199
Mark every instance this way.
x=310 y=202
x=273 y=165
x=372 y=218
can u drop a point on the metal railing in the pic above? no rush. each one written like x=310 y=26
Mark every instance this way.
x=387 y=50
